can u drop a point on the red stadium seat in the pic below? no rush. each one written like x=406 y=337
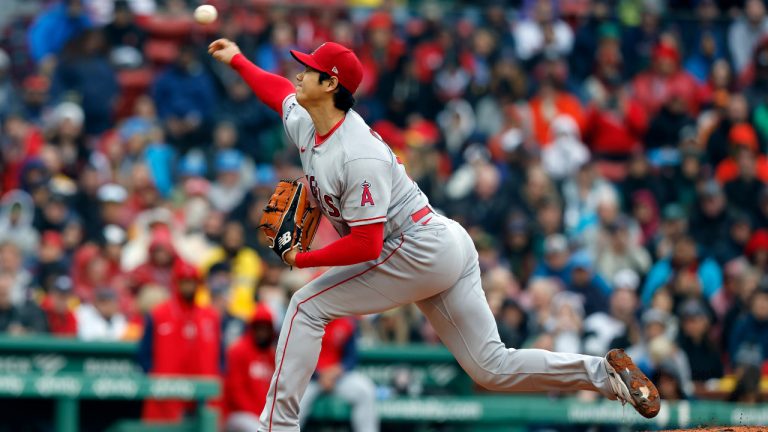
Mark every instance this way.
x=612 y=171
x=135 y=79
x=161 y=51
x=133 y=83
x=168 y=27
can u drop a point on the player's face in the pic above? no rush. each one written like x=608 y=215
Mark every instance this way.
x=308 y=87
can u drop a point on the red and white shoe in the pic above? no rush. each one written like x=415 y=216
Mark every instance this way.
x=631 y=385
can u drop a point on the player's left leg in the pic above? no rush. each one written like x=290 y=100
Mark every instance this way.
x=463 y=320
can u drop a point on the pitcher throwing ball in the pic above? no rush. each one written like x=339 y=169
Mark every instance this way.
x=394 y=250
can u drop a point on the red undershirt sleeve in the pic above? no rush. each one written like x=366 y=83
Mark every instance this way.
x=364 y=243
x=270 y=88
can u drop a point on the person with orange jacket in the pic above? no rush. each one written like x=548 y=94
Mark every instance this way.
x=180 y=338
x=250 y=365
x=745 y=156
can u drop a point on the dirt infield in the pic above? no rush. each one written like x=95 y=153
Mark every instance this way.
x=724 y=429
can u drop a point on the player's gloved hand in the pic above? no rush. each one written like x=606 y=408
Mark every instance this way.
x=223 y=50
x=289 y=221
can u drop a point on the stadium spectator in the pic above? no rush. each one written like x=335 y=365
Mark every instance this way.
x=335 y=375
x=746 y=31
x=518 y=247
x=704 y=274
x=102 y=320
x=245 y=265
x=250 y=365
x=123 y=32
x=180 y=337
x=556 y=262
x=185 y=99
x=704 y=359
x=105 y=254
x=88 y=76
x=750 y=332
x=229 y=188
x=543 y=33
x=55 y=27
x=739 y=234
x=588 y=284
x=158 y=269
x=61 y=320
x=619 y=252
x=219 y=284
x=744 y=154
x=664 y=80
x=18 y=318
x=709 y=221
x=22 y=141
x=17 y=211
x=512 y=322
x=618 y=327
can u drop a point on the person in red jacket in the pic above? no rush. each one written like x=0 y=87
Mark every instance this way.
x=61 y=320
x=180 y=338
x=250 y=365
x=161 y=255
x=334 y=375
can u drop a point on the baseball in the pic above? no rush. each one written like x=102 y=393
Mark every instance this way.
x=205 y=14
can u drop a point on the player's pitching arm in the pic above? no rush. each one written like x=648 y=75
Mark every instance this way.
x=271 y=89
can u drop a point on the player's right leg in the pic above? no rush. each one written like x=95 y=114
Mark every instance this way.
x=341 y=291
x=412 y=267
x=463 y=320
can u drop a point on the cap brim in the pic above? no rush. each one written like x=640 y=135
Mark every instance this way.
x=307 y=60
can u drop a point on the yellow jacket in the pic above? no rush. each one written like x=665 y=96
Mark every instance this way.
x=246 y=272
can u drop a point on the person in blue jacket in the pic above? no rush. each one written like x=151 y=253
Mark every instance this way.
x=684 y=258
x=55 y=27
x=750 y=333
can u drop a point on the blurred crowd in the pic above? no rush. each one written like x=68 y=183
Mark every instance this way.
x=607 y=156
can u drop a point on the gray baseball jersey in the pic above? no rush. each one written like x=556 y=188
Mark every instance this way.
x=427 y=259
x=353 y=174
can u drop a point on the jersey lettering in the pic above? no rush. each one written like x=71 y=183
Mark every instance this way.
x=332 y=210
x=367 y=198
x=313 y=187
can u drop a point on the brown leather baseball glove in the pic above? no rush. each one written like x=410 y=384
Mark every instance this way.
x=288 y=219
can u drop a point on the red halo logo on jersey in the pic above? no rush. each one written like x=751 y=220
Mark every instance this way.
x=367 y=198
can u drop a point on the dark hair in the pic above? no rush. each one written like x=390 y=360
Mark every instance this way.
x=342 y=99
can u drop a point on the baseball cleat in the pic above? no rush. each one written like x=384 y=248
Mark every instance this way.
x=631 y=385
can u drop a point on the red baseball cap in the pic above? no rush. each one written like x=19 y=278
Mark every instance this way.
x=335 y=60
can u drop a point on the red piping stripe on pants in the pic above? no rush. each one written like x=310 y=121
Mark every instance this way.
x=290 y=327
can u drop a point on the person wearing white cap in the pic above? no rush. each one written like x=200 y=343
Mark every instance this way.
x=605 y=330
x=112 y=197
x=619 y=251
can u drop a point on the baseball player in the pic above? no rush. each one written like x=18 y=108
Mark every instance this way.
x=394 y=250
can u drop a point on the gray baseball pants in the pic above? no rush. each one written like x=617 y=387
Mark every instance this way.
x=433 y=263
